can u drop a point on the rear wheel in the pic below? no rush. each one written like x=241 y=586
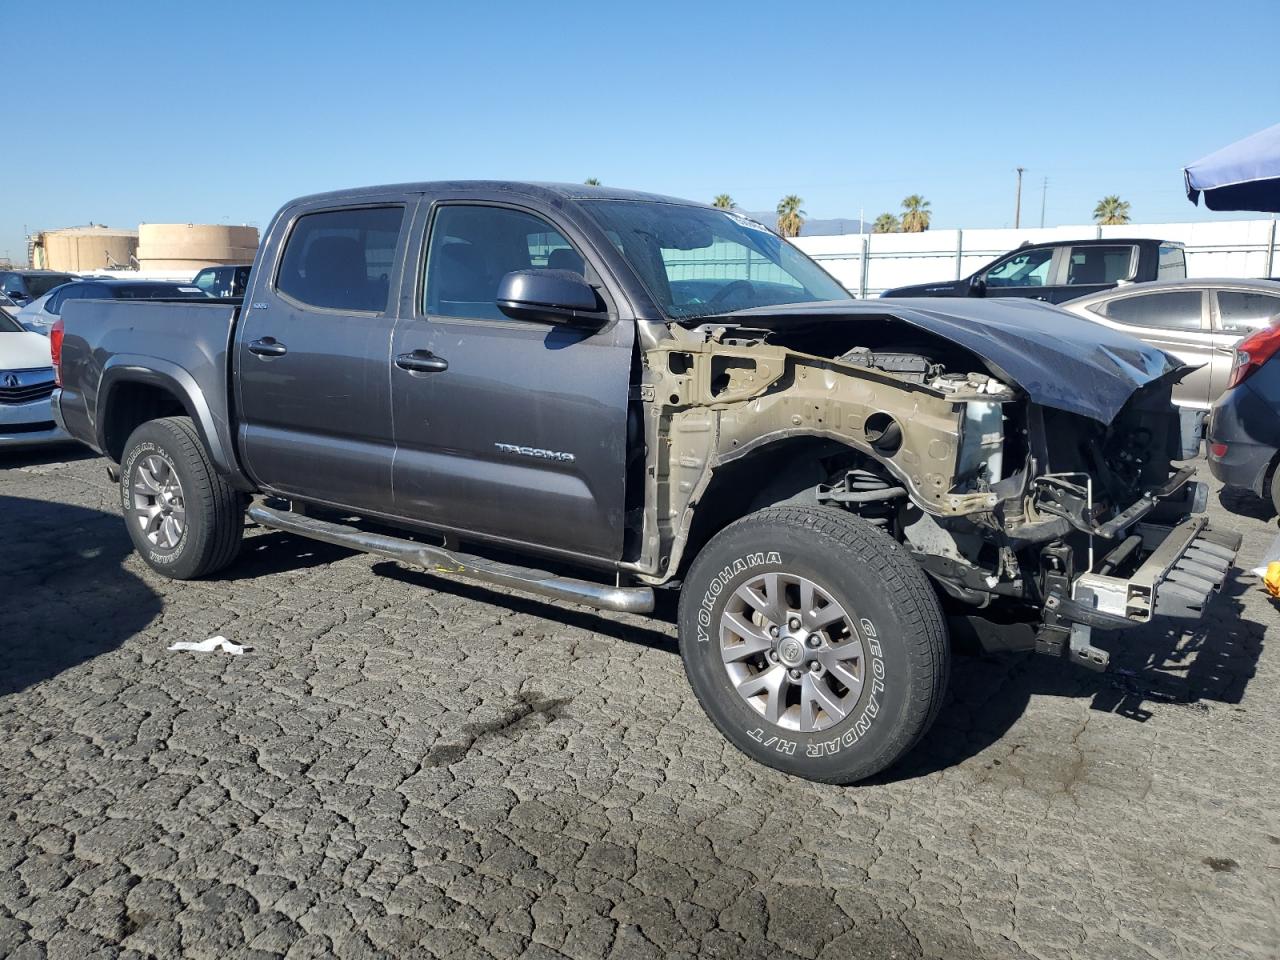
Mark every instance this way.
x=185 y=520
x=1275 y=487
x=814 y=642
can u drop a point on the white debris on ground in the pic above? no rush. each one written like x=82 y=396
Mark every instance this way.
x=210 y=645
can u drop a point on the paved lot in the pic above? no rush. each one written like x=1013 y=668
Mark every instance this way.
x=404 y=766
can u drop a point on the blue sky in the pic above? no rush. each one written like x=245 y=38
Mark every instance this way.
x=161 y=112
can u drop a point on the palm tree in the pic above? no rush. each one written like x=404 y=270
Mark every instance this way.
x=592 y=182
x=915 y=214
x=886 y=223
x=1111 y=210
x=790 y=216
x=723 y=201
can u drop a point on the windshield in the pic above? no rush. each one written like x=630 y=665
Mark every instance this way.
x=9 y=325
x=700 y=262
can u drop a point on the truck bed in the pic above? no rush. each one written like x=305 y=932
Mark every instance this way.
x=180 y=344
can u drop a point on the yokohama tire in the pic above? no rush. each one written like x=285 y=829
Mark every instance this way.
x=165 y=470
x=755 y=601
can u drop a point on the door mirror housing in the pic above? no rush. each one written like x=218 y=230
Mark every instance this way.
x=977 y=286
x=549 y=296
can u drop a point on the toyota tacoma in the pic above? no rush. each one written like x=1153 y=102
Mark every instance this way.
x=590 y=395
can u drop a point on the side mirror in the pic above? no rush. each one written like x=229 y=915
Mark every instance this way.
x=549 y=296
x=977 y=286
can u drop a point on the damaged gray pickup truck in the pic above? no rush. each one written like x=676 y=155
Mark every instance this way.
x=590 y=394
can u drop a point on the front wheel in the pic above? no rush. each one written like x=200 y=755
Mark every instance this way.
x=814 y=642
x=185 y=520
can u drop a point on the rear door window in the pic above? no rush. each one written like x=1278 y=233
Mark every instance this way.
x=1172 y=310
x=1243 y=311
x=1100 y=264
x=341 y=259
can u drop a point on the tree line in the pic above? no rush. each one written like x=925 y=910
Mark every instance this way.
x=916 y=215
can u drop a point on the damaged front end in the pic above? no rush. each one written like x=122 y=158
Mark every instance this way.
x=1005 y=495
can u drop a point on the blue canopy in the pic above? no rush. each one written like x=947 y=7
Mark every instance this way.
x=1242 y=176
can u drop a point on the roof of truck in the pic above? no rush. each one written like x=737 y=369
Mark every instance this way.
x=1098 y=242
x=524 y=188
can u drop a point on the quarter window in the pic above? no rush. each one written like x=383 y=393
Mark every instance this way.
x=342 y=259
x=1241 y=312
x=1089 y=265
x=1175 y=310
x=53 y=306
x=473 y=248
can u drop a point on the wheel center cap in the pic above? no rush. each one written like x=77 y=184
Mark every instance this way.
x=790 y=651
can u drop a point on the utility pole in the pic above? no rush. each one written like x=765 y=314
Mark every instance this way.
x=1044 y=188
x=1017 y=208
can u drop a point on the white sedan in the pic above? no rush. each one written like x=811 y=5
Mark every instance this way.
x=26 y=388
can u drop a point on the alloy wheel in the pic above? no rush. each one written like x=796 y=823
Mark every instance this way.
x=158 y=505
x=792 y=652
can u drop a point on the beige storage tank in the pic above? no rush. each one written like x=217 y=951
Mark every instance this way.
x=178 y=246
x=94 y=247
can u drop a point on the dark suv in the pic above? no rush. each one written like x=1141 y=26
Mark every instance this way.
x=23 y=286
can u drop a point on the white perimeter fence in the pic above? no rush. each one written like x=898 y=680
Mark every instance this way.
x=869 y=263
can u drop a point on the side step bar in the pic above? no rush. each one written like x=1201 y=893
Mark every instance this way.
x=440 y=561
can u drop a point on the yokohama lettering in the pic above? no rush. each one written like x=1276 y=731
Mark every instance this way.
x=721 y=580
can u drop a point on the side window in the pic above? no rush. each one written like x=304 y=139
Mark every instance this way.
x=1100 y=265
x=1242 y=312
x=1029 y=269
x=473 y=248
x=1175 y=310
x=341 y=259
x=205 y=280
x=1173 y=263
x=53 y=306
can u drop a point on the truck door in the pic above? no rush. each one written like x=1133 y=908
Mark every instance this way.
x=1090 y=268
x=312 y=357
x=514 y=430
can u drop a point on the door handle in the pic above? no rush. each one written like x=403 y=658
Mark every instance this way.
x=268 y=347
x=421 y=361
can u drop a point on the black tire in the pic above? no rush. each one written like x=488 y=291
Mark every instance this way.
x=891 y=607
x=1275 y=487
x=214 y=511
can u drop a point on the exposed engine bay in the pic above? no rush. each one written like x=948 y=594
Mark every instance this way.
x=1003 y=494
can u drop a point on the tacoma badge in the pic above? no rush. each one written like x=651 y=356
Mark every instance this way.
x=535 y=452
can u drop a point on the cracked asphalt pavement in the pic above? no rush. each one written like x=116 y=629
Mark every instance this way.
x=407 y=766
